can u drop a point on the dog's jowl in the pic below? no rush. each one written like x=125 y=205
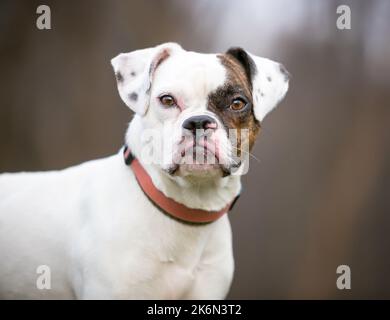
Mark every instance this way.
x=152 y=220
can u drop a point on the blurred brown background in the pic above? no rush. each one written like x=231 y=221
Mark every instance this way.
x=318 y=198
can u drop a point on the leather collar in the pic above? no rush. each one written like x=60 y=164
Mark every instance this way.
x=167 y=205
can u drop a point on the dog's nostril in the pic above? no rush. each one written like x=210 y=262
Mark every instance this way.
x=199 y=122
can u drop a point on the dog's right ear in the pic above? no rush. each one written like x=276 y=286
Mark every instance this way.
x=134 y=74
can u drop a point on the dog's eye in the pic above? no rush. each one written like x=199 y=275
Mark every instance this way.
x=238 y=104
x=167 y=100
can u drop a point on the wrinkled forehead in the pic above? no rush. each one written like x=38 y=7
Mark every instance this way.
x=191 y=74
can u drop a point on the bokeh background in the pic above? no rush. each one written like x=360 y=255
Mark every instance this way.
x=319 y=195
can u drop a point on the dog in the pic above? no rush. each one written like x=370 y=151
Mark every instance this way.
x=125 y=227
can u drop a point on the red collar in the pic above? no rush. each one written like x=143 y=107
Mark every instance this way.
x=167 y=205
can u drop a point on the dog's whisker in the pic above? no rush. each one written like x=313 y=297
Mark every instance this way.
x=249 y=153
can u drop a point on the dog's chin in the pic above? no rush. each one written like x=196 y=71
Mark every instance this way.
x=198 y=170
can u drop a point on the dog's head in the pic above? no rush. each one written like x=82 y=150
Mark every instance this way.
x=200 y=112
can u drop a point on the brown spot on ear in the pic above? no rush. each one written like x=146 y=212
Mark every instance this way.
x=133 y=96
x=133 y=74
x=164 y=54
x=119 y=77
x=157 y=61
x=285 y=73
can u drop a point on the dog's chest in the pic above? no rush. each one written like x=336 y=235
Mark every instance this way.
x=159 y=276
x=161 y=258
x=175 y=280
x=177 y=264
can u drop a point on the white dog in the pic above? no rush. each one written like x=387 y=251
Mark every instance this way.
x=125 y=227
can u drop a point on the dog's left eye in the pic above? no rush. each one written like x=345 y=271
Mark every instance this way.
x=238 y=104
x=167 y=100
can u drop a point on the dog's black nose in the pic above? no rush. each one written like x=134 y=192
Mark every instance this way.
x=199 y=122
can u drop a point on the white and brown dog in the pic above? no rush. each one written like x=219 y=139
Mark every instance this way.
x=125 y=227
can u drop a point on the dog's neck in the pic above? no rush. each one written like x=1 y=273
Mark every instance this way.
x=212 y=193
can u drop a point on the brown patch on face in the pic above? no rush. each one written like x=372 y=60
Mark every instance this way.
x=237 y=85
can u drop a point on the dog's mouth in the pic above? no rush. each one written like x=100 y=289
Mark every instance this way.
x=198 y=158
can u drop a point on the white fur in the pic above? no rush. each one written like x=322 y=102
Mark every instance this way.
x=270 y=85
x=94 y=227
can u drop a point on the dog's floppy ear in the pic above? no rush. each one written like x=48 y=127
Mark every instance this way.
x=134 y=74
x=269 y=80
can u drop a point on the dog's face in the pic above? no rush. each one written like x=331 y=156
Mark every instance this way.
x=200 y=113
